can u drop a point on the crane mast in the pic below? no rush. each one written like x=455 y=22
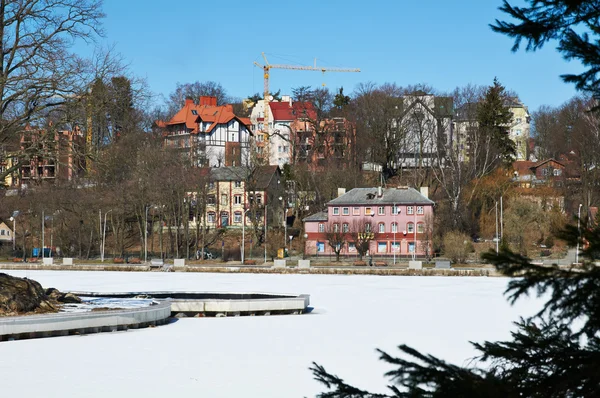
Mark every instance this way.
x=266 y=72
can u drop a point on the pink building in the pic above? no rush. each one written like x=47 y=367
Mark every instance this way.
x=395 y=220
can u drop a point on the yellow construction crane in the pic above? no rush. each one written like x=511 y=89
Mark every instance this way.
x=267 y=67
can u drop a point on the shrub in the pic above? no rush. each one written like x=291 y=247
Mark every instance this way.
x=457 y=246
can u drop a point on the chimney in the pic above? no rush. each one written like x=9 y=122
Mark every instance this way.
x=379 y=192
x=189 y=101
x=425 y=192
x=341 y=191
x=208 y=100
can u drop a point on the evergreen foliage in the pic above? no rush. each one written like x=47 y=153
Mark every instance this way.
x=341 y=100
x=573 y=23
x=555 y=353
x=494 y=118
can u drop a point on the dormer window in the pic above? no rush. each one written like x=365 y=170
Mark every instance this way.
x=370 y=196
x=194 y=112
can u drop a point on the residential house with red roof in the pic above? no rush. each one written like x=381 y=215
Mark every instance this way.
x=297 y=135
x=212 y=135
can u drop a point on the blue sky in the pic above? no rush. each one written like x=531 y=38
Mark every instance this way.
x=443 y=43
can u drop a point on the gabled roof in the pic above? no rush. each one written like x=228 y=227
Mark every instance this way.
x=320 y=216
x=263 y=176
x=368 y=196
x=283 y=111
x=541 y=163
x=259 y=177
x=191 y=114
x=523 y=167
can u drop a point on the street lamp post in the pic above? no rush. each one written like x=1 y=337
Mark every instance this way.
x=395 y=227
x=578 y=234
x=266 y=230
x=414 y=256
x=14 y=237
x=146 y=235
x=104 y=236
x=496 y=228
x=244 y=235
x=43 y=240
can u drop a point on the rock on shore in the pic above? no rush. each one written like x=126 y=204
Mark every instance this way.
x=23 y=295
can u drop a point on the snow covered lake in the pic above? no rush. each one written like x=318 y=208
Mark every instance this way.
x=262 y=356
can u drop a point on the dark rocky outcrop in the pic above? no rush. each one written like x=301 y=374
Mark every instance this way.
x=22 y=295
x=66 y=298
x=69 y=298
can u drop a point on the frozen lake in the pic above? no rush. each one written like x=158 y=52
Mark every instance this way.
x=259 y=356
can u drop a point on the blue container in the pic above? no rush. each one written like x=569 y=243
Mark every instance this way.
x=35 y=252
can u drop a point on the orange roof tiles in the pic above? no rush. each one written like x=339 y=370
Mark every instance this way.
x=192 y=114
x=523 y=167
x=298 y=110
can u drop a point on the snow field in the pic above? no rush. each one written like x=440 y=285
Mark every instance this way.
x=259 y=356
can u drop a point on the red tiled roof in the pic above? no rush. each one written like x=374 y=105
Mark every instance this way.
x=246 y=121
x=523 y=167
x=546 y=161
x=191 y=114
x=282 y=111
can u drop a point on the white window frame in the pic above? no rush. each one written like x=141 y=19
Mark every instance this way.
x=237 y=199
x=410 y=228
x=394 y=227
x=395 y=210
x=237 y=217
x=420 y=210
x=345 y=211
x=420 y=228
x=335 y=211
x=368 y=211
x=409 y=210
x=237 y=184
x=345 y=227
x=381 y=228
x=336 y=227
x=321 y=227
x=356 y=211
x=381 y=210
x=210 y=217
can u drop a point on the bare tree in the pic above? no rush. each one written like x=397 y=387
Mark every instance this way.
x=37 y=70
x=195 y=90
x=361 y=232
x=336 y=238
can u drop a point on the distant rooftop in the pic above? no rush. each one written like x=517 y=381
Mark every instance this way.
x=368 y=196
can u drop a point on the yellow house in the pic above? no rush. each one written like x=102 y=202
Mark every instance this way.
x=519 y=126
x=234 y=190
x=6 y=233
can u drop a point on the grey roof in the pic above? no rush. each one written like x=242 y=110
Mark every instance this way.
x=258 y=178
x=320 y=216
x=401 y=195
x=229 y=173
